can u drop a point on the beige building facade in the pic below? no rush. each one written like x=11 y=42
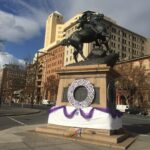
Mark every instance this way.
x=53 y=30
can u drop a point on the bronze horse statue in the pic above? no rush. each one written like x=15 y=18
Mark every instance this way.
x=90 y=29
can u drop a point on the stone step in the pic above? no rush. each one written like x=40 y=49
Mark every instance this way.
x=85 y=130
x=104 y=138
x=49 y=131
x=123 y=140
x=73 y=132
x=126 y=143
x=115 y=146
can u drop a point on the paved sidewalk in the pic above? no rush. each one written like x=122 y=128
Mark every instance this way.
x=23 y=138
x=13 y=111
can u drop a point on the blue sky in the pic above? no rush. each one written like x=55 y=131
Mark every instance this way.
x=22 y=22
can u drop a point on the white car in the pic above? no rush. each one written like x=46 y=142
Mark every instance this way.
x=122 y=108
x=45 y=101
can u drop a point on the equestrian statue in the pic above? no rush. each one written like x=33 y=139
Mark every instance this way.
x=90 y=28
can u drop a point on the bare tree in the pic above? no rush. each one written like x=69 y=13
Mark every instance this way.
x=132 y=83
x=52 y=86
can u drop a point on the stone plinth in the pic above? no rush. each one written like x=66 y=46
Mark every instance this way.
x=100 y=76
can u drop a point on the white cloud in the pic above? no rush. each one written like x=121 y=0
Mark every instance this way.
x=6 y=58
x=23 y=22
x=132 y=14
x=15 y=28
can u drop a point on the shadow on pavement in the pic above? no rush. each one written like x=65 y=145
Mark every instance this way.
x=138 y=128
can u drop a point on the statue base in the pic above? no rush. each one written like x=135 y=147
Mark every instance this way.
x=99 y=123
x=101 y=114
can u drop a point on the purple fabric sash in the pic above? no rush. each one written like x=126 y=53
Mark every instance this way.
x=113 y=112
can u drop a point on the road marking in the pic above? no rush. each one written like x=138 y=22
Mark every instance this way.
x=16 y=120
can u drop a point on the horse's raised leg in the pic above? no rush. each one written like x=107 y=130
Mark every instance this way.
x=81 y=51
x=75 y=53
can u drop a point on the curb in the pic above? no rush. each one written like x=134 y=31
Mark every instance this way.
x=21 y=114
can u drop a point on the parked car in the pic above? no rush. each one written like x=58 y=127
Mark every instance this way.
x=45 y=102
x=122 y=108
x=136 y=110
x=132 y=110
x=48 y=102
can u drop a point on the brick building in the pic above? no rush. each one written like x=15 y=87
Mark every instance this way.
x=54 y=60
x=13 y=80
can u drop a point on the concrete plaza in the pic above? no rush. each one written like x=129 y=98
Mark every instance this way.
x=24 y=138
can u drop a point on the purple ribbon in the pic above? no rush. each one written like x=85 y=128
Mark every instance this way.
x=113 y=112
x=68 y=115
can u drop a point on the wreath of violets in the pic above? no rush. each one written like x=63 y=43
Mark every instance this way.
x=90 y=93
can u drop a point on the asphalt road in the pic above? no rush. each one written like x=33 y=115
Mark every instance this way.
x=134 y=123
x=137 y=124
x=12 y=121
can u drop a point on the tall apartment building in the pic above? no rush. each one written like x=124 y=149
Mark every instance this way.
x=53 y=30
x=123 y=41
x=13 y=80
x=54 y=60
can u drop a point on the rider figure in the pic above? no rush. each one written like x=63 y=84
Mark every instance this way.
x=84 y=19
x=90 y=21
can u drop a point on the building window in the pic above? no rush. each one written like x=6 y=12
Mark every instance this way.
x=119 y=32
x=114 y=30
x=129 y=49
x=70 y=58
x=129 y=43
x=67 y=59
x=124 y=34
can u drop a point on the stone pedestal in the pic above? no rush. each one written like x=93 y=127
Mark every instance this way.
x=99 y=123
x=100 y=76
